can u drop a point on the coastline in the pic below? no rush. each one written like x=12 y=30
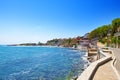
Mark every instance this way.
x=86 y=58
x=89 y=60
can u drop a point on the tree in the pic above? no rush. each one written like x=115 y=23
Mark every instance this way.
x=116 y=25
x=100 y=31
x=39 y=43
x=55 y=40
x=69 y=41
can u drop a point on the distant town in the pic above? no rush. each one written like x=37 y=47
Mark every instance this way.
x=108 y=35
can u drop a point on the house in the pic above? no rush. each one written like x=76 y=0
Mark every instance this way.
x=85 y=40
x=79 y=39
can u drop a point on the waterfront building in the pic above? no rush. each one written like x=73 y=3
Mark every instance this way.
x=85 y=40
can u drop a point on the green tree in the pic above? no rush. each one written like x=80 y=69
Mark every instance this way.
x=100 y=31
x=55 y=40
x=116 y=25
x=39 y=43
x=69 y=41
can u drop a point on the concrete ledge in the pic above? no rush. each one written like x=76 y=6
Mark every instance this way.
x=112 y=64
x=90 y=71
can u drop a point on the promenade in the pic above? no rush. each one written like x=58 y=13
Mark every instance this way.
x=117 y=56
x=106 y=71
x=102 y=69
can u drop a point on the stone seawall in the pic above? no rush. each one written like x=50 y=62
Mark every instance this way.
x=90 y=71
x=116 y=53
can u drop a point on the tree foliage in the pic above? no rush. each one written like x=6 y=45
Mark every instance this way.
x=100 y=32
x=116 y=25
x=67 y=42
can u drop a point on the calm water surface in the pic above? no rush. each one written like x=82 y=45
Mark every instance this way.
x=39 y=63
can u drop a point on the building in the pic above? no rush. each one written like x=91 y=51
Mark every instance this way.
x=85 y=40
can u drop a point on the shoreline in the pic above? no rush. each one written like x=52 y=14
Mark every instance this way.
x=88 y=60
x=85 y=58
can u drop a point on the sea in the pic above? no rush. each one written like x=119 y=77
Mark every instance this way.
x=40 y=63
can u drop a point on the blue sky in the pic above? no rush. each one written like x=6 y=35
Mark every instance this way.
x=42 y=20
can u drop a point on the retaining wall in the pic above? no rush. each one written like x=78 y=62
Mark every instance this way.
x=116 y=53
x=90 y=71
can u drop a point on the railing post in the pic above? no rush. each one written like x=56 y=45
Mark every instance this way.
x=98 y=54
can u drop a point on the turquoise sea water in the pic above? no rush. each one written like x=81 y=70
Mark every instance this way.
x=39 y=63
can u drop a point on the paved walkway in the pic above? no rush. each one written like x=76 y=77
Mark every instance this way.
x=105 y=72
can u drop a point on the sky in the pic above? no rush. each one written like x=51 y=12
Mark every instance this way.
x=24 y=21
